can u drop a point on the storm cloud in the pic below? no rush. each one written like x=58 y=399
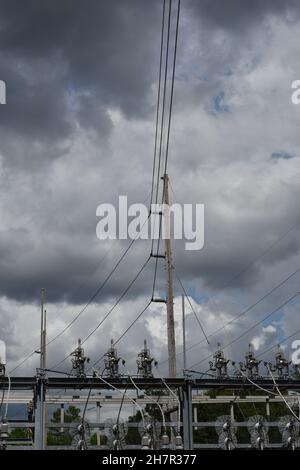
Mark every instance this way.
x=78 y=130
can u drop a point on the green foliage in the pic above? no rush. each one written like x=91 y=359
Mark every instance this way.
x=54 y=435
x=133 y=435
x=20 y=433
x=103 y=439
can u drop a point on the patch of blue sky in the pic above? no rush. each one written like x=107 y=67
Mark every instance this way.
x=219 y=104
x=281 y=155
x=192 y=292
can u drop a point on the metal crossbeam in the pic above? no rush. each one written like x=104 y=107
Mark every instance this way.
x=24 y=383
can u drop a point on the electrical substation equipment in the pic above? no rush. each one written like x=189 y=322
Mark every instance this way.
x=150 y=434
x=251 y=365
x=281 y=366
x=165 y=441
x=116 y=441
x=144 y=362
x=111 y=362
x=289 y=429
x=79 y=360
x=226 y=430
x=3 y=434
x=30 y=411
x=2 y=358
x=116 y=434
x=219 y=364
x=81 y=440
x=148 y=438
x=178 y=442
x=258 y=430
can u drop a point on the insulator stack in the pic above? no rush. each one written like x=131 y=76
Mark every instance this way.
x=219 y=364
x=111 y=362
x=282 y=365
x=144 y=363
x=251 y=365
x=79 y=360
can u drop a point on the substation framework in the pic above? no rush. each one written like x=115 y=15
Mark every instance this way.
x=186 y=389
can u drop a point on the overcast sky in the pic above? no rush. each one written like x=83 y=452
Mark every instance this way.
x=78 y=130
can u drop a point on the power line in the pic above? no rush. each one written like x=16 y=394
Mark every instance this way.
x=252 y=327
x=172 y=86
x=234 y=319
x=98 y=290
x=119 y=299
x=169 y=123
x=111 y=309
x=279 y=392
x=158 y=100
x=162 y=128
x=132 y=324
x=89 y=301
x=22 y=362
x=276 y=344
x=164 y=99
x=127 y=329
x=193 y=310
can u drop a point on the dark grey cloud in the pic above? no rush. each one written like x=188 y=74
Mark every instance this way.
x=60 y=60
x=78 y=129
x=239 y=16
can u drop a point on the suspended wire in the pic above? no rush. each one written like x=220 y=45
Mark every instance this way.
x=96 y=293
x=110 y=310
x=158 y=101
x=262 y=254
x=119 y=299
x=172 y=86
x=168 y=131
x=58 y=315
x=162 y=130
x=206 y=373
x=87 y=304
x=164 y=100
x=81 y=312
x=155 y=152
x=279 y=392
x=69 y=374
x=193 y=310
x=176 y=398
x=252 y=327
x=244 y=312
x=255 y=384
x=126 y=331
x=119 y=391
x=86 y=403
x=121 y=405
x=133 y=323
x=150 y=399
x=23 y=362
x=276 y=344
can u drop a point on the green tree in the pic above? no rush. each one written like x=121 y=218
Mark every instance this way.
x=54 y=435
